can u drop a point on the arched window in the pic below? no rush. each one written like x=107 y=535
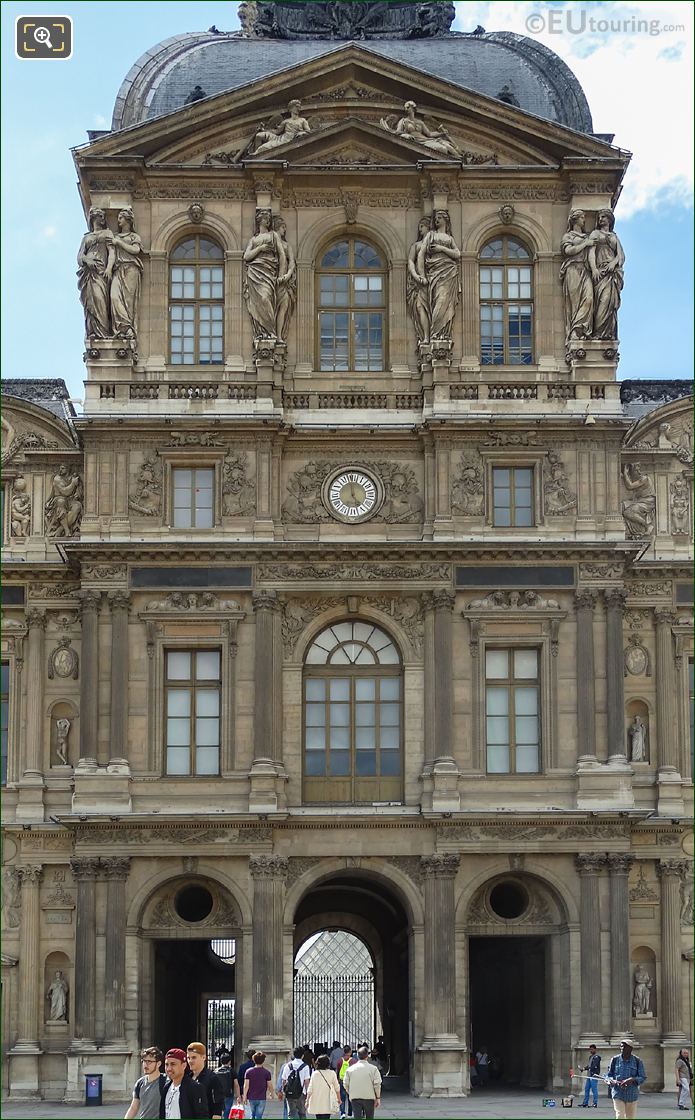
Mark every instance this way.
x=506 y=303
x=196 y=303
x=351 y=299
x=353 y=702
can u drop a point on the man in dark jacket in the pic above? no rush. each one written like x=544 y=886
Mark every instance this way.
x=196 y=1055
x=182 y=1097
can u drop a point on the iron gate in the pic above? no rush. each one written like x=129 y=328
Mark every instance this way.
x=220 y=1023
x=333 y=1007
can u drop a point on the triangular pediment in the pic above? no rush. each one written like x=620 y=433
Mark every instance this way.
x=349 y=87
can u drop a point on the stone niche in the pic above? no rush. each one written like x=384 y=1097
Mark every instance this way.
x=61 y=743
x=57 y=962
x=637 y=740
x=643 y=970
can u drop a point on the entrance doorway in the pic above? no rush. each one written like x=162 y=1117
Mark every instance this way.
x=334 y=996
x=509 y=1008
x=194 y=994
x=356 y=903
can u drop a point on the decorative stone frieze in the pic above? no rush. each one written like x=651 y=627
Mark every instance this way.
x=269 y=867
x=440 y=866
x=63 y=661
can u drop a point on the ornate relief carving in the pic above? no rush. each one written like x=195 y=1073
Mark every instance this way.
x=638 y=512
x=467 y=489
x=440 y=866
x=52 y=590
x=511 y=439
x=405 y=611
x=687 y=902
x=519 y=833
x=20 y=508
x=268 y=867
x=585 y=600
x=11 y=900
x=589 y=863
x=558 y=497
x=266 y=19
x=162 y=915
x=28 y=441
x=298 y=866
x=413 y=129
x=402 y=501
x=147 y=498
x=60 y=897
x=152 y=836
x=63 y=510
x=297 y=613
x=356 y=572
x=63 y=661
x=637 y=659
x=648 y=589
x=192 y=601
x=601 y=571
x=680 y=505
x=410 y=866
x=238 y=489
x=514 y=601
x=642 y=892
x=104 y=571
x=194 y=439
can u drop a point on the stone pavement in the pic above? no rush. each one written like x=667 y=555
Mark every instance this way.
x=397 y=1106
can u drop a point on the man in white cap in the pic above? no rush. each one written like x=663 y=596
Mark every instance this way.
x=625 y=1075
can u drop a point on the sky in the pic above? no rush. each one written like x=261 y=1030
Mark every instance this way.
x=633 y=60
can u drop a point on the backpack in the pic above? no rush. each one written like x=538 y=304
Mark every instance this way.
x=293 y=1086
x=226 y=1077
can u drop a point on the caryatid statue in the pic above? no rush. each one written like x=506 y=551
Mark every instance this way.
x=265 y=261
x=575 y=276
x=416 y=294
x=125 y=274
x=606 y=260
x=287 y=282
x=95 y=260
x=438 y=261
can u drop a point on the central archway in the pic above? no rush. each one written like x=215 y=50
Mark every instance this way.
x=362 y=905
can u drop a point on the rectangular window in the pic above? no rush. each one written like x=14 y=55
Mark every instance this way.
x=4 y=719
x=196 y=327
x=353 y=727
x=193 y=497
x=192 y=697
x=512 y=497
x=512 y=716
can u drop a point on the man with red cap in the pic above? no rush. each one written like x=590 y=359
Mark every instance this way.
x=182 y=1097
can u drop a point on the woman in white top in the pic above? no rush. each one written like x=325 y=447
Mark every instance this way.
x=323 y=1094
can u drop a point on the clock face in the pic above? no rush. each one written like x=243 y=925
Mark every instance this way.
x=351 y=495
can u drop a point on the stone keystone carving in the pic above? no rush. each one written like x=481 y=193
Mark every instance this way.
x=440 y=866
x=638 y=512
x=63 y=511
x=268 y=867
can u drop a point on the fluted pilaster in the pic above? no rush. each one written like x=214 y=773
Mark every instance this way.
x=29 y=959
x=671 y=872
x=438 y=874
x=267 y=668
x=115 y=869
x=85 y=870
x=89 y=676
x=585 y=602
x=621 y=1002
x=666 y=721
x=589 y=867
x=119 y=602
x=35 y=668
x=268 y=874
x=615 y=669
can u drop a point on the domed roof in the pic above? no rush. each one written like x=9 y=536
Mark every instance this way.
x=511 y=68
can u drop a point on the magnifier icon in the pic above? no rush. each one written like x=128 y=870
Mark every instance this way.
x=42 y=35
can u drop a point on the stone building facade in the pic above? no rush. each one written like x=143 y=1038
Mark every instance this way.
x=358 y=597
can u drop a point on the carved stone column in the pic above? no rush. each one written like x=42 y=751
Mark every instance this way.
x=36 y=672
x=267 y=667
x=268 y=874
x=441 y=774
x=438 y=874
x=615 y=669
x=670 y=790
x=585 y=602
x=85 y=869
x=119 y=602
x=89 y=676
x=116 y=870
x=619 y=864
x=589 y=866
x=30 y=970
x=671 y=872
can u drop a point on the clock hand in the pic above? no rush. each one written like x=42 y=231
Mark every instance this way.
x=352 y=494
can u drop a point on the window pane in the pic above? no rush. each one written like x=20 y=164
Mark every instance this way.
x=390 y=715
x=207 y=732
x=525 y=663
x=178 y=760
x=185 y=250
x=365 y=764
x=496 y=663
x=365 y=714
x=315 y=738
x=366 y=256
x=179 y=666
x=339 y=738
x=340 y=715
x=498 y=760
x=178 y=702
x=497 y=703
x=207 y=665
x=390 y=688
x=207 y=702
x=365 y=738
x=340 y=689
x=389 y=656
x=315 y=689
x=336 y=256
x=365 y=689
x=526 y=701
x=315 y=764
x=339 y=764
x=526 y=730
x=390 y=764
x=497 y=729
x=178 y=732
x=527 y=760
x=207 y=760
x=389 y=738
x=182 y=478
x=315 y=715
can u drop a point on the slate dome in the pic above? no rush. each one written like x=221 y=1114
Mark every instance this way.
x=512 y=68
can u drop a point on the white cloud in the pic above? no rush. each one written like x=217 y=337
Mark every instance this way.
x=49 y=233
x=100 y=121
x=638 y=83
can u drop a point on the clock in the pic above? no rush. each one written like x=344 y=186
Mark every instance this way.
x=352 y=495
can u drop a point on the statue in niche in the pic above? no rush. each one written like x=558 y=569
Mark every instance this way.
x=265 y=262
x=20 y=508
x=57 y=995
x=637 y=734
x=125 y=273
x=438 y=261
x=412 y=128
x=606 y=260
x=416 y=285
x=642 y=992
x=282 y=130
x=575 y=276
x=62 y=731
x=95 y=260
x=638 y=513
x=287 y=282
x=680 y=506
x=63 y=511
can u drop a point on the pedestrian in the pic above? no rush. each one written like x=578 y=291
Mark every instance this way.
x=482 y=1065
x=593 y=1072
x=258 y=1086
x=278 y=1086
x=182 y=1097
x=295 y=1080
x=362 y=1083
x=346 y=1061
x=196 y=1055
x=228 y=1081
x=323 y=1094
x=625 y=1075
x=246 y=1064
x=335 y=1054
x=684 y=1080
x=147 y=1090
